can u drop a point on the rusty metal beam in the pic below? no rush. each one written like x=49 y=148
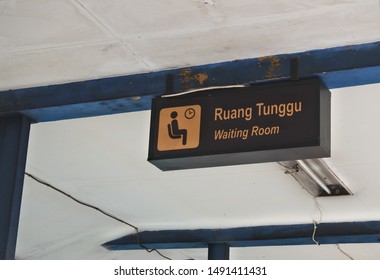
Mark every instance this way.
x=338 y=67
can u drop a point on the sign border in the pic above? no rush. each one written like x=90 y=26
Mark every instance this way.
x=166 y=161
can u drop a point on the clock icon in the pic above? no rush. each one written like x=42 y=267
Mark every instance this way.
x=189 y=113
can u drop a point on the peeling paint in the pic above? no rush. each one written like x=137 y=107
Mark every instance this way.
x=188 y=78
x=201 y=78
x=272 y=63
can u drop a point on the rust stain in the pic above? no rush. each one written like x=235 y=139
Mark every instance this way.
x=187 y=78
x=263 y=58
x=272 y=63
x=201 y=78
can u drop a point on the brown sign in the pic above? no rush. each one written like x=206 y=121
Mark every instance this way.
x=271 y=122
x=179 y=128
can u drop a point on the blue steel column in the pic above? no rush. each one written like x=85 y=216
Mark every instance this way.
x=218 y=251
x=14 y=137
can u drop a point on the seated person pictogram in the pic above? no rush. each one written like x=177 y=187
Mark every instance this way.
x=174 y=131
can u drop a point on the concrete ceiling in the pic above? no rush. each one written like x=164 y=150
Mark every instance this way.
x=48 y=42
x=102 y=160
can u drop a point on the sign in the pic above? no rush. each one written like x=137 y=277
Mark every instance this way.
x=262 y=123
x=179 y=128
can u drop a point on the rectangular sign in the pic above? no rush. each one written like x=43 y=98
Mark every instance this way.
x=261 y=123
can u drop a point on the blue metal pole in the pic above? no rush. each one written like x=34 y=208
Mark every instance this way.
x=218 y=251
x=14 y=137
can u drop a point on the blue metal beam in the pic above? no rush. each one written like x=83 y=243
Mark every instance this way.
x=14 y=137
x=338 y=67
x=218 y=251
x=326 y=233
